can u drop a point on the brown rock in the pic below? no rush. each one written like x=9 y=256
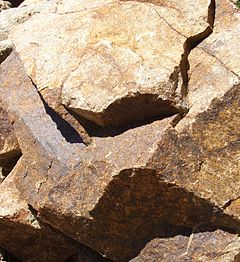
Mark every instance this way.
x=41 y=143
x=22 y=233
x=113 y=71
x=135 y=183
x=9 y=149
x=204 y=157
x=216 y=246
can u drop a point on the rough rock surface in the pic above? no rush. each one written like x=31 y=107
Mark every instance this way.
x=166 y=178
x=115 y=91
x=17 y=218
x=216 y=246
x=22 y=233
x=9 y=149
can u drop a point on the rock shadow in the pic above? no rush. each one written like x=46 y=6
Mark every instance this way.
x=136 y=207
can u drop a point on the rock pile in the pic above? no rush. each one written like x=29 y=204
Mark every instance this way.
x=119 y=136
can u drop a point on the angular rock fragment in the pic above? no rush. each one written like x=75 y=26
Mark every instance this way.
x=204 y=157
x=21 y=232
x=215 y=246
x=40 y=141
x=107 y=71
x=149 y=180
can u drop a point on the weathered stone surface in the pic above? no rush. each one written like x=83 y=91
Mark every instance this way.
x=21 y=232
x=204 y=157
x=109 y=71
x=106 y=180
x=9 y=149
x=217 y=246
x=41 y=142
x=25 y=236
x=157 y=179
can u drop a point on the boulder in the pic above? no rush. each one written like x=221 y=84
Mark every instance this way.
x=21 y=232
x=215 y=246
x=108 y=71
x=28 y=238
x=73 y=187
x=160 y=107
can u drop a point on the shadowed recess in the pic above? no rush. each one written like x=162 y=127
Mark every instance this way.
x=141 y=205
x=67 y=131
x=15 y=3
x=125 y=114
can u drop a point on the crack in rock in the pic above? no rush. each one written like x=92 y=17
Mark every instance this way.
x=191 y=43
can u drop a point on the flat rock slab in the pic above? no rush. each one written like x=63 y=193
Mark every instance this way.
x=108 y=71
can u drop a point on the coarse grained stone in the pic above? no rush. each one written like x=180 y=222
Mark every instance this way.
x=109 y=71
x=21 y=232
x=216 y=246
x=122 y=190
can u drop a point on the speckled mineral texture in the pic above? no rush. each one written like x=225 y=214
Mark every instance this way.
x=21 y=232
x=215 y=246
x=114 y=155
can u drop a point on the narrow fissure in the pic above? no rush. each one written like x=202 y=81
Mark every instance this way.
x=191 y=43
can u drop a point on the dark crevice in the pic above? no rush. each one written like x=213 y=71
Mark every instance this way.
x=8 y=164
x=128 y=113
x=191 y=43
x=33 y=211
x=67 y=131
x=87 y=254
x=8 y=257
x=95 y=130
x=4 y=53
x=229 y=202
x=15 y=3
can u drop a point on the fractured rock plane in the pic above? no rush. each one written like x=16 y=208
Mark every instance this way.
x=119 y=135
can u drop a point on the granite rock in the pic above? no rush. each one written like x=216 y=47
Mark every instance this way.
x=163 y=105
x=216 y=246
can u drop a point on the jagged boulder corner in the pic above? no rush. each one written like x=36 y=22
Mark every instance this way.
x=119 y=136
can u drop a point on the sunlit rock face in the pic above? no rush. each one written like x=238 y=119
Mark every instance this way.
x=126 y=117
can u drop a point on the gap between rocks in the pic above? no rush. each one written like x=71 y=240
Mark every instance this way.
x=66 y=130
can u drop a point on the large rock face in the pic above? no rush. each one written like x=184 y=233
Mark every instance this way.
x=127 y=116
x=109 y=70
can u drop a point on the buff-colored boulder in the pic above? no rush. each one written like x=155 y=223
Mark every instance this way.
x=118 y=58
